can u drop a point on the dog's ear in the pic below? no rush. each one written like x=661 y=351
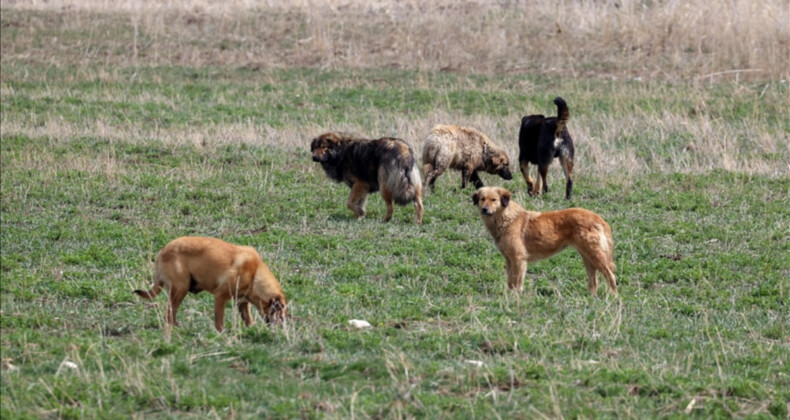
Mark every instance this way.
x=275 y=305
x=476 y=197
x=504 y=196
x=276 y=310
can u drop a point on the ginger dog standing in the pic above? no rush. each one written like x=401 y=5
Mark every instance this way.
x=524 y=236
x=195 y=264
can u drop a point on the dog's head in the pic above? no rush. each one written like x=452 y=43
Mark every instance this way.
x=490 y=200
x=324 y=146
x=275 y=310
x=499 y=164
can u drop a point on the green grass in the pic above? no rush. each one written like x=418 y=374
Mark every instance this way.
x=702 y=264
x=703 y=256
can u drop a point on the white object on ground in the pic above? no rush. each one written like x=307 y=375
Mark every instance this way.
x=358 y=323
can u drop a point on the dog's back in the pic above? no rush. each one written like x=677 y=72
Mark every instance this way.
x=459 y=143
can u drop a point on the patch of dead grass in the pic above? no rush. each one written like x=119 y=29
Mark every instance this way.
x=706 y=39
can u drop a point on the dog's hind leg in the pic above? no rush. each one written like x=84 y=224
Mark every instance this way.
x=592 y=276
x=418 y=208
x=386 y=194
x=610 y=278
x=427 y=169
x=541 y=186
x=246 y=315
x=524 y=166
x=600 y=260
x=175 y=297
x=544 y=170
x=567 y=166
x=431 y=173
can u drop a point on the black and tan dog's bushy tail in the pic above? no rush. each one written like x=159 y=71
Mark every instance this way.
x=402 y=176
x=562 y=115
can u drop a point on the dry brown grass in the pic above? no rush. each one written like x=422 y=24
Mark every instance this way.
x=602 y=142
x=696 y=42
x=710 y=39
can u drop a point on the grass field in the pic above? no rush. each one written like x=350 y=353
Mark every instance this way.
x=109 y=151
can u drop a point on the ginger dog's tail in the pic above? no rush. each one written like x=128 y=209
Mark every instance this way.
x=151 y=293
x=562 y=115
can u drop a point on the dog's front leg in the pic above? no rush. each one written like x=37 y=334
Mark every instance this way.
x=475 y=178
x=219 y=311
x=357 y=199
x=516 y=258
x=518 y=269
x=465 y=174
x=246 y=315
x=386 y=194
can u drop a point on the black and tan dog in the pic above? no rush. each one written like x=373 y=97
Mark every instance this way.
x=465 y=149
x=524 y=236
x=542 y=139
x=369 y=165
x=229 y=272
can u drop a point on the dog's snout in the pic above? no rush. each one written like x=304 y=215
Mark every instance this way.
x=485 y=210
x=505 y=174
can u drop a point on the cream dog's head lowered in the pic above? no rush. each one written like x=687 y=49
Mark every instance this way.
x=491 y=200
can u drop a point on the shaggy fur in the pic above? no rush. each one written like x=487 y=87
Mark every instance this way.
x=195 y=264
x=524 y=236
x=542 y=139
x=369 y=165
x=464 y=149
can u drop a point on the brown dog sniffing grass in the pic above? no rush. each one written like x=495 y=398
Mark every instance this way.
x=523 y=236
x=194 y=264
x=465 y=149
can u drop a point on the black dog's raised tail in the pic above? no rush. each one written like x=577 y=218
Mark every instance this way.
x=562 y=115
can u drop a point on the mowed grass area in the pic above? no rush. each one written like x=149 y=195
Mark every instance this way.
x=109 y=150
x=703 y=258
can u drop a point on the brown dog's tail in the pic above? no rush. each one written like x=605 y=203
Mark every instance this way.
x=562 y=115
x=151 y=293
x=610 y=242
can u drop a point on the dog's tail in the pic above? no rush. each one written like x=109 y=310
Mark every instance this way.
x=150 y=294
x=562 y=115
x=610 y=247
x=401 y=176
